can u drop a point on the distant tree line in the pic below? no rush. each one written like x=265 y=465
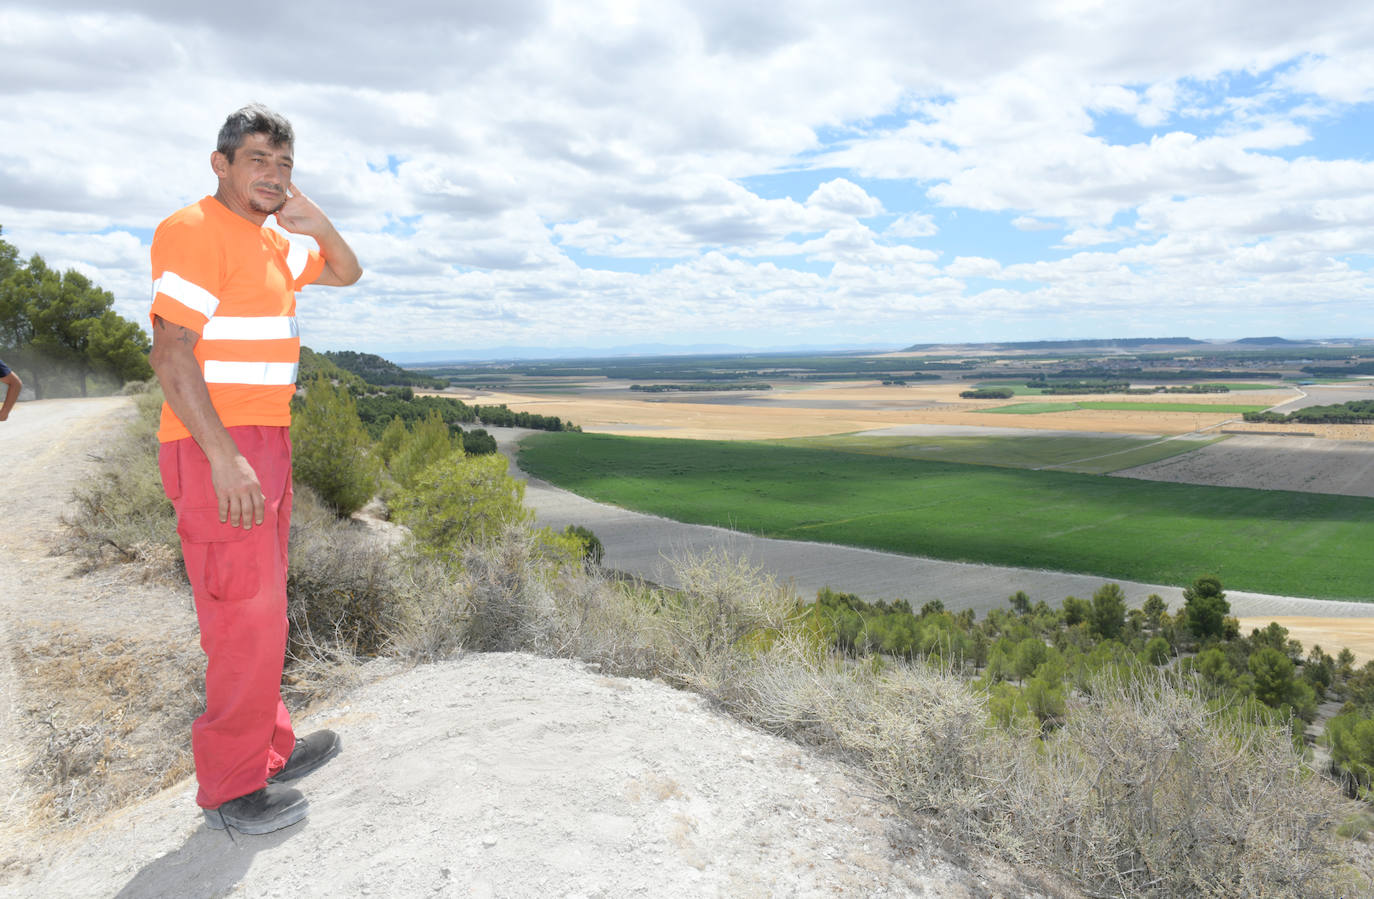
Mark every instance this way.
x=989 y=393
x=59 y=330
x=1355 y=412
x=1044 y=385
x=1056 y=387
x=1114 y=343
x=857 y=375
x=1160 y=374
x=1333 y=371
x=710 y=368
x=665 y=388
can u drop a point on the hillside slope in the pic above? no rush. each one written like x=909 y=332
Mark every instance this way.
x=492 y=775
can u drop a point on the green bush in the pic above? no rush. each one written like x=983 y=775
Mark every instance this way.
x=392 y=439
x=592 y=549
x=331 y=452
x=1351 y=738
x=1108 y=614
x=460 y=499
x=429 y=442
x=1205 y=607
x=1156 y=651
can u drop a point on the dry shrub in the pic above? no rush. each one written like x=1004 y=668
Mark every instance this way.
x=122 y=514
x=318 y=672
x=345 y=586
x=724 y=613
x=113 y=720
x=520 y=592
x=1147 y=791
x=921 y=734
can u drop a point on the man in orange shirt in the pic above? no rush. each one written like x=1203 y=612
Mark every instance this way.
x=226 y=349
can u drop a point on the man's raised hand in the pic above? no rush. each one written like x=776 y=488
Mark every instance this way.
x=300 y=215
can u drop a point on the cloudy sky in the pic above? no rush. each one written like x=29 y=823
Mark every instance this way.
x=610 y=173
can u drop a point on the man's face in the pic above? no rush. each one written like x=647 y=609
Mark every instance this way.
x=256 y=181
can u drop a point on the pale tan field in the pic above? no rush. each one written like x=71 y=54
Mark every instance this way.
x=1329 y=633
x=792 y=411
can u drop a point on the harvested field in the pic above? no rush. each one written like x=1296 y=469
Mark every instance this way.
x=792 y=411
x=1307 y=464
x=1329 y=633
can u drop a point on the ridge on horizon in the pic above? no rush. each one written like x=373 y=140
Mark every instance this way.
x=415 y=358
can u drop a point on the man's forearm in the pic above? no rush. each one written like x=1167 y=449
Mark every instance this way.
x=183 y=385
x=12 y=388
x=339 y=256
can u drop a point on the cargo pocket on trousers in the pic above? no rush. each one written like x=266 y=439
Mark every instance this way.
x=231 y=565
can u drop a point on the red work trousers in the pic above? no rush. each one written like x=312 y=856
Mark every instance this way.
x=238 y=578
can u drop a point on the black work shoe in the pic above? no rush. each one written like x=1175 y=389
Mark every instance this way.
x=262 y=811
x=309 y=755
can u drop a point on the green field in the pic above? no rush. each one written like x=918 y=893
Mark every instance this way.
x=1296 y=544
x=1084 y=454
x=1032 y=408
x=1121 y=406
x=1127 y=406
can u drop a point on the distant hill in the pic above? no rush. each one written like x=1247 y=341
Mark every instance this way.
x=1267 y=341
x=380 y=372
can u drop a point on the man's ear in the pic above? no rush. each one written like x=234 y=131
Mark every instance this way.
x=219 y=163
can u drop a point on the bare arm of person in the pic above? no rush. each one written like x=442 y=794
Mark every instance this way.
x=12 y=387
x=241 y=501
x=300 y=215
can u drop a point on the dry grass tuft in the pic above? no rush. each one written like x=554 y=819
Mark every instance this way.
x=122 y=514
x=108 y=720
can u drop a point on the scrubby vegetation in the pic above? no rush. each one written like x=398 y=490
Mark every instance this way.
x=1136 y=752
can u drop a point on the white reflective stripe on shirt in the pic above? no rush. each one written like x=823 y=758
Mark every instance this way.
x=192 y=296
x=267 y=327
x=268 y=374
x=296 y=259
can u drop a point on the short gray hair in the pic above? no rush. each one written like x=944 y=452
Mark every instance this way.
x=254 y=119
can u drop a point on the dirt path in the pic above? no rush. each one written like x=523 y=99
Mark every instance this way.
x=45 y=451
x=489 y=776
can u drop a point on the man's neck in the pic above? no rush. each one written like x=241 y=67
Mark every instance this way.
x=252 y=215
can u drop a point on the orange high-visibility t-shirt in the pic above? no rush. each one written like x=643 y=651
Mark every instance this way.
x=234 y=283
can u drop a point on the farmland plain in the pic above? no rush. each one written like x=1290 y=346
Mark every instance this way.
x=930 y=420
x=1296 y=544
